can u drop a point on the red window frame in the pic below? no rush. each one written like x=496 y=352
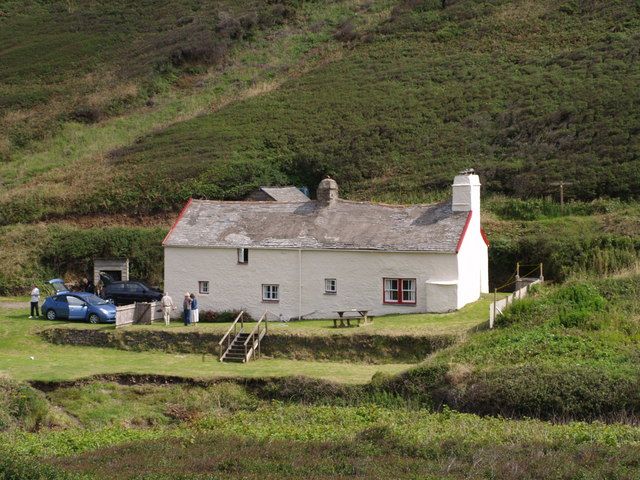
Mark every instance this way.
x=400 y=300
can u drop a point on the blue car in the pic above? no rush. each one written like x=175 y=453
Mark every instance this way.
x=77 y=305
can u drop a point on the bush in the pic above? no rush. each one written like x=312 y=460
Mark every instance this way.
x=14 y=466
x=211 y=316
x=550 y=392
x=305 y=390
x=72 y=250
x=22 y=406
x=346 y=32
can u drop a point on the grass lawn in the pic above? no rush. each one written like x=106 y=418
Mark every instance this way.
x=24 y=356
x=24 y=299
x=454 y=323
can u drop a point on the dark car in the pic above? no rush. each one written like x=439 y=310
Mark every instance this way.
x=124 y=293
x=77 y=305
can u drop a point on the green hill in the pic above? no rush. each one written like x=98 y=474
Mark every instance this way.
x=115 y=111
x=526 y=92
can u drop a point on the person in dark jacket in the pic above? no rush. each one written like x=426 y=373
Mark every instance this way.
x=186 y=305
x=90 y=287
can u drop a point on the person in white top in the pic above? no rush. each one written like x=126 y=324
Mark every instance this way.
x=35 y=301
x=195 y=312
x=167 y=306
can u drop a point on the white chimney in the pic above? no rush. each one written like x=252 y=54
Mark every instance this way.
x=466 y=192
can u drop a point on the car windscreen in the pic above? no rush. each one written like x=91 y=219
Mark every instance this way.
x=94 y=300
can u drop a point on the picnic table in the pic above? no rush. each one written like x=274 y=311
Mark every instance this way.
x=360 y=315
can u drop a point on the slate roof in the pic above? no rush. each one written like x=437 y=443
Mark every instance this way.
x=285 y=194
x=341 y=225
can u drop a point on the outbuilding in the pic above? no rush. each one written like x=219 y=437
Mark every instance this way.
x=311 y=258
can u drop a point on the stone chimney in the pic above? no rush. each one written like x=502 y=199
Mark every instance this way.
x=327 y=193
x=466 y=192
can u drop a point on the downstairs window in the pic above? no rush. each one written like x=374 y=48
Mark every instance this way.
x=400 y=291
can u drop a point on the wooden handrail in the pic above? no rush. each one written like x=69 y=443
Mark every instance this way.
x=226 y=335
x=252 y=336
x=256 y=328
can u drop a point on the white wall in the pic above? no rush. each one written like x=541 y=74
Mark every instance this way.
x=473 y=264
x=359 y=276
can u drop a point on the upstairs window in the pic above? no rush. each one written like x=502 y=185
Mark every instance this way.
x=400 y=291
x=243 y=255
x=330 y=285
x=270 y=293
x=203 y=287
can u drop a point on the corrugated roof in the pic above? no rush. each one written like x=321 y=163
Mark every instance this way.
x=342 y=225
x=285 y=194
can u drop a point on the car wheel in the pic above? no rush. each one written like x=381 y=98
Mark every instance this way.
x=51 y=315
x=93 y=318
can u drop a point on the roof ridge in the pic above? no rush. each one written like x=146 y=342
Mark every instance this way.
x=339 y=200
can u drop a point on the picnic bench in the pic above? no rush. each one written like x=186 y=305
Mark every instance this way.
x=360 y=315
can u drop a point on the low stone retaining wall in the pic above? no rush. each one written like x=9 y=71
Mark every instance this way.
x=365 y=348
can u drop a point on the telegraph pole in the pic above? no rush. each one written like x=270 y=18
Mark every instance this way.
x=561 y=184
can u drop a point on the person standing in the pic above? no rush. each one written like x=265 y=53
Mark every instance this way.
x=186 y=305
x=90 y=287
x=195 y=313
x=167 y=306
x=35 y=301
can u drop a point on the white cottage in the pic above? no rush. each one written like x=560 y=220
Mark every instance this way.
x=311 y=258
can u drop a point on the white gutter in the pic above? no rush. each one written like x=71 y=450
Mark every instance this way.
x=299 y=284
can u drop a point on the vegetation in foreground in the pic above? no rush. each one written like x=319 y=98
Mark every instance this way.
x=194 y=432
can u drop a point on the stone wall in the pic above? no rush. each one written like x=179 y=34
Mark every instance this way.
x=356 y=348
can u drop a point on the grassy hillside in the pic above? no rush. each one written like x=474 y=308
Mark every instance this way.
x=567 y=352
x=527 y=92
x=83 y=61
x=198 y=58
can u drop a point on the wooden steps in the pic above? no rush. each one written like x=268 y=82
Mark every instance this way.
x=241 y=346
x=236 y=353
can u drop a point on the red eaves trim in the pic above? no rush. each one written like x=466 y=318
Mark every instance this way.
x=484 y=236
x=184 y=209
x=464 y=231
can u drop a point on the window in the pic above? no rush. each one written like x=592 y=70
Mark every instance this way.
x=203 y=287
x=243 y=255
x=270 y=293
x=330 y=285
x=75 y=301
x=400 y=290
x=134 y=288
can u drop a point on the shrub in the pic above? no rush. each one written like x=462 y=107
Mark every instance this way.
x=72 y=250
x=550 y=392
x=22 y=406
x=582 y=296
x=305 y=390
x=211 y=316
x=528 y=311
x=15 y=466
x=346 y=32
